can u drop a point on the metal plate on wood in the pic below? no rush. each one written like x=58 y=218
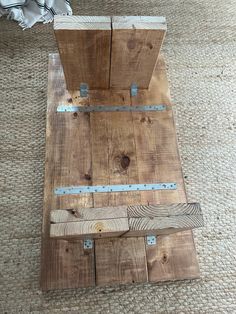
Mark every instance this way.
x=92 y=108
x=88 y=244
x=151 y=240
x=114 y=188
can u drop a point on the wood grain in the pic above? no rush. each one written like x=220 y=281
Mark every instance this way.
x=84 y=47
x=158 y=159
x=172 y=258
x=85 y=149
x=136 y=44
x=162 y=225
x=164 y=210
x=163 y=218
x=136 y=220
x=80 y=214
x=90 y=228
x=64 y=264
x=114 y=162
x=120 y=261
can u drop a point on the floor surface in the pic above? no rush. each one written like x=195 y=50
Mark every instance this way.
x=200 y=51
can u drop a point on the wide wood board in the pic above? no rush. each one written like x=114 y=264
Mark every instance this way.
x=112 y=148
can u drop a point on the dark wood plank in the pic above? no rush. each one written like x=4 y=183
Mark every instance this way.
x=120 y=261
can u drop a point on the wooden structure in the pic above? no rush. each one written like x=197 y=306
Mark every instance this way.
x=113 y=148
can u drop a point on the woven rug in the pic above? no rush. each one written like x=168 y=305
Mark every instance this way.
x=200 y=53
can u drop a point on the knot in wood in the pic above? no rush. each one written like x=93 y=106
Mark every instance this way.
x=125 y=161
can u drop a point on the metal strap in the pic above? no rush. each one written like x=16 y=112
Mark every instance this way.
x=114 y=188
x=99 y=108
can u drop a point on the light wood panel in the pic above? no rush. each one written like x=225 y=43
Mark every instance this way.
x=83 y=214
x=90 y=228
x=84 y=47
x=136 y=43
x=89 y=223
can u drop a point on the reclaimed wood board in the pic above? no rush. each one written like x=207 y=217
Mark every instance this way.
x=125 y=221
x=112 y=148
x=84 y=47
x=136 y=43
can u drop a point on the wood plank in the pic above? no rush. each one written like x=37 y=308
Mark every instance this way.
x=172 y=258
x=89 y=223
x=81 y=214
x=90 y=228
x=75 y=19
x=69 y=162
x=64 y=264
x=114 y=162
x=120 y=261
x=68 y=265
x=136 y=220
x=139 y=19
x=113 y=150
x=158 y=159
x=163 y=218
x=136 y=43
x=162 y=225
x=163 y=210
x=84 y=47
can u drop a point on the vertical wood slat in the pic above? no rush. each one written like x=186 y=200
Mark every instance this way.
x=114 y=162
x=174 y=256
x=84 y=47
x=136 y=43
x=64 y=264
x=89 y=55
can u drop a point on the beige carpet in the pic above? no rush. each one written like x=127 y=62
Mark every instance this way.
x=200 y=50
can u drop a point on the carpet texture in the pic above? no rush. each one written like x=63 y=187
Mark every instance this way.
x=200 y=51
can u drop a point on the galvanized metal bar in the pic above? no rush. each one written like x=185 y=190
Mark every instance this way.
x=114 y=188
x=99 y=108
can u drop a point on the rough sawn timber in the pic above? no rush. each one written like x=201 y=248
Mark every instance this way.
x=125 y=221
x=114 y=148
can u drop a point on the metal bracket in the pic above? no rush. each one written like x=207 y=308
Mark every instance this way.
x=83 y=90
x=100 y=108
x=151 y=240
x=88 y=244
x=133 y=90
x=69 y=190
